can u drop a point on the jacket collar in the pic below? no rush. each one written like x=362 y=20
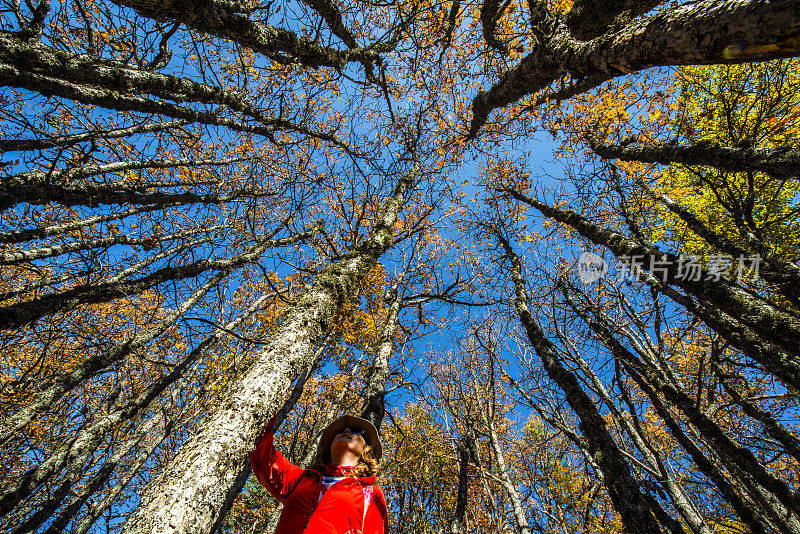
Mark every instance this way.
x=364 y=480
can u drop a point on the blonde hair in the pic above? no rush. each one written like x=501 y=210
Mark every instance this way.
x=367 y=465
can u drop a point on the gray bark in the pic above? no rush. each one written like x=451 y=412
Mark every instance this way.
x=24 y=313
x=84 y=443
x=508 y=484
x=777 y=497
x=114 y=85
x=29 y=234
x=216 y=18
x=14 y=257
x=375 y=391
x=678 y=496
x=17 y=145
x=697 y=33
x=139 y=266
x=782 y=162
x=91 y=365
x=67 y=188
x=246 y=469
x=23 y=64
x=330 y=13
x=588 y=19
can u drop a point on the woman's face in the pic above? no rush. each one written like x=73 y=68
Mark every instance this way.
x=348 y=440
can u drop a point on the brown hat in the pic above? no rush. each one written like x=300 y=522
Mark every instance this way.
x=352 y=422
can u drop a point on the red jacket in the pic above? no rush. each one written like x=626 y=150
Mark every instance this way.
x=341 y=509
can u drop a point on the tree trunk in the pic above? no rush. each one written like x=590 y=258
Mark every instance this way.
x=458 y=523
x=763 y=331
x=374 y=408
x=508 y=484
x=694 y=33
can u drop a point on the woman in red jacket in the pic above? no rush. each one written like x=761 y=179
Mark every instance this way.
x=335 y=496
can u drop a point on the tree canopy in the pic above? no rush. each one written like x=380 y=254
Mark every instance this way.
x=549 y=247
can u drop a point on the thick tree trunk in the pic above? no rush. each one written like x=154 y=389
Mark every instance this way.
x=26 y=64
x=189 y=495
x=781 y=162
x=695 y=33
x=246 y=469
x=590 y=18
x=115 y=85
x=216 y=18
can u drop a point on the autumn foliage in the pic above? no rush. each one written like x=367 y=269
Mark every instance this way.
x=215 y=211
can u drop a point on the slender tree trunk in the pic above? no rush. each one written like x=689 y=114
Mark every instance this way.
x=13 y=257
x=91 y=365
x=15 y=145
x=83 y=445
x=516 y=503
x=625 y=493
x=679 y=498
x=20 y=236
x=375 y=391
x=736 y=457
x=24 y=313
x=776 y=269
x=458 y=523
x=772 y=426
x=647 y=379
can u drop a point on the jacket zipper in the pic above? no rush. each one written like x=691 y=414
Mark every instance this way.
x=314 y=506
